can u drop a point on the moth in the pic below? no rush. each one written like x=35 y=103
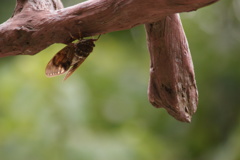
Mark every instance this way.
x=70 y=58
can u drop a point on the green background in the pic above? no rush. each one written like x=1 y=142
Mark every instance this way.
x=102 y=112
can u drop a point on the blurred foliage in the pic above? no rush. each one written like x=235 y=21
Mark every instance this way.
x=102 y=111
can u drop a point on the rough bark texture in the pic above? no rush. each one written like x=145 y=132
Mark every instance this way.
x=172 y=82
x=36 y=24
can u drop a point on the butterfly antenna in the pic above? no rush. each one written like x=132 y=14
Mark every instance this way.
x=79 y=33
x=71 y=35
x=97 y=37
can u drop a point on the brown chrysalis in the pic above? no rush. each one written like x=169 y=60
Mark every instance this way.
x=70 y=58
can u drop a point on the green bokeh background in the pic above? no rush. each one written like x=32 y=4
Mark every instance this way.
x=102 y=112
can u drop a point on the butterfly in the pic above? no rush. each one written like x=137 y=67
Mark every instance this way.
x=70 y=58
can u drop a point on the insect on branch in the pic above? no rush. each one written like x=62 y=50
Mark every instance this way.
x=35 y=25
x=70 y=58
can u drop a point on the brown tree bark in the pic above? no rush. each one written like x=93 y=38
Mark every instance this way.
x=36 y=24
x=172 y=82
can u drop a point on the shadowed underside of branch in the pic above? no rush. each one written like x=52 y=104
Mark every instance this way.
x=36 y=24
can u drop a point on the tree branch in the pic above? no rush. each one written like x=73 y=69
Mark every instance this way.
x=36 y=24
x=172 y=82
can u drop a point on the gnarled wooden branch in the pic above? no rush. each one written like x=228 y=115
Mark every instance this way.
x=36 y=24
x=172 y=82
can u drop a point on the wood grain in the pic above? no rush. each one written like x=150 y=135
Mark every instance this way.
x=172 y=82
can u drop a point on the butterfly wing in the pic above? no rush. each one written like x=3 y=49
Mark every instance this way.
x=69 y=58
x=82 y=50
x=61 y=62
x=74 y=67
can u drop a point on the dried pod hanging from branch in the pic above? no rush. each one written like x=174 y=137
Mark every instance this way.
x=172 y=82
